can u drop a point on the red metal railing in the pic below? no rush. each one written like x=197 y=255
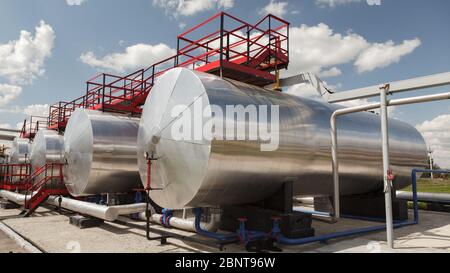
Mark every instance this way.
x=15 y=176
x=45 y=181
x=32 y=125
x=257 y=49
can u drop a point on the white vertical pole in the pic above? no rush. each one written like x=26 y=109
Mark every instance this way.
x=430 y=152
x=386 y=166
x=334 y=158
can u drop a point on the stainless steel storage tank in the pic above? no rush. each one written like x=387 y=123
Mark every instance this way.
x=47 y=147
x=20 y=151
x=19 y=154
x=100 y=150
x=203 y=172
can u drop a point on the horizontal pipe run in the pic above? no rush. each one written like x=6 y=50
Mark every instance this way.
x=323 y=238
x=98 y=211
x=209 y=234
x=106 y=213
x=13 y=197
x=184 y=224
x=425 y=197
x=112 y=213
x=356 y=109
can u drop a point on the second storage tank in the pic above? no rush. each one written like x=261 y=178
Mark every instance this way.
x=47 y=147
x=194 y=170
x=20 y=151
x=100 y=150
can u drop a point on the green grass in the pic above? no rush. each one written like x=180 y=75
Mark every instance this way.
x=432 y=186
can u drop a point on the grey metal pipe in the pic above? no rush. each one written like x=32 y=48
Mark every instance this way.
x=13 y=197
x=425 y=197
x=98 y=211
x=386 y=165
x=106 y=213
x=185 y=224
x=340 y=112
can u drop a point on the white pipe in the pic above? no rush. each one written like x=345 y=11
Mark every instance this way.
x=340 y=112
x=185 y=224
x=98 y=211
x=425 y=197
x=13 y=197
x=362 y=108
x=386 y=166
x=113 y=212
x=106 y=213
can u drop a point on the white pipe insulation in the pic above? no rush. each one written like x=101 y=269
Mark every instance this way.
x=98 y=211
x=13 y=197
x=112 y=213
x=185 y=224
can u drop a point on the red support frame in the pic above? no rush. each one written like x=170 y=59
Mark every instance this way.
x=15 y=177
x=233 y=48
x=45 y=181
x=32 y=125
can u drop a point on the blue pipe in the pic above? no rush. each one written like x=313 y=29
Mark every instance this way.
x=276 y=232
x=323 y=238
x=166 y=215
x=199 y=230
x=328 y=214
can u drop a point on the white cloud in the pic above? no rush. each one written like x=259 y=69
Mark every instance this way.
x=75 y=2
x=276 y=8
x=9 y=93
x=225 y=4
x=191 y=7
x=334 y=3
x=313 y=48
x=332 y=72
x=134 y=57
x=382 y=55
x=40 y=110
x=22 y=60
x=318 y=49
x=437 y=134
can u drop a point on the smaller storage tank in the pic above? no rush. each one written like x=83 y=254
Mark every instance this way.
x=47 y=147
x=2 y=162
x=19 y=154
x=20 y=151
x=100 y=150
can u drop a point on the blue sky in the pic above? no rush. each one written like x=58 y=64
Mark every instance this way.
x=354 y=43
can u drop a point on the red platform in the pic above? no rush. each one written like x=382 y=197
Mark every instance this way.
x=233 y=49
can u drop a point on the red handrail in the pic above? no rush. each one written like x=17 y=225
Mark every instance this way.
x=105 y=90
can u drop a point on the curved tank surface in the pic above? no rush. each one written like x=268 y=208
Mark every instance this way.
x=234 y=168
x=100 y=150
x=47 y=147
x=20 y=151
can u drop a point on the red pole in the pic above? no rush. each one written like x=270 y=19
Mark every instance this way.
x=149 y=173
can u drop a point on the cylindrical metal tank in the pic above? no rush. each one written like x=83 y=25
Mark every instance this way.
x=200 y=172
x=20 y=151
x=2 y=162
x=19 y=155
x=100 y=150
x=47 y=147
